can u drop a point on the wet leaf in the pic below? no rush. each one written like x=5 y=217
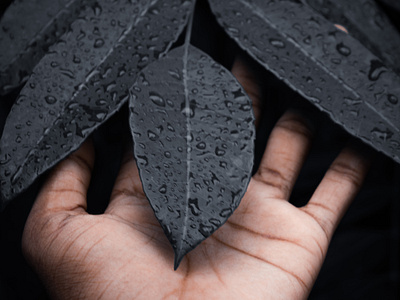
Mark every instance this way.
x=82 y=82
x=325 y=65
x=192 y=126
x=27 y=29
x=395 y=4
x=366 y=22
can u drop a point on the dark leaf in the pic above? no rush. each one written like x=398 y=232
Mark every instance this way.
x=192 y=126
x=59 y=107
x=395 y=4
x=366 y=22
x=27 y=29
x=325 y=65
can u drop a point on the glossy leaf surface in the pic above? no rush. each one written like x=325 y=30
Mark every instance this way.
x=366 y=22
x=325 y=65
x=193 y=132
x=60 y=107
x=27 y=29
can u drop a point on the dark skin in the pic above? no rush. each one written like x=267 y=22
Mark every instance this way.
x=268 y=249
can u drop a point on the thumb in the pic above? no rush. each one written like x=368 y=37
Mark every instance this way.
x=67 y=185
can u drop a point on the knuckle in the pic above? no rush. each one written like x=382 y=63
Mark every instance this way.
x=295 y=123
x=81 y=161
x=345 y=172
x=274 y=178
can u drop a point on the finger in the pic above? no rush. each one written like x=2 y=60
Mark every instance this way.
x=338 y=188
x=128 y=199
x=249 y=81
x=66 y=187
x=285 y=153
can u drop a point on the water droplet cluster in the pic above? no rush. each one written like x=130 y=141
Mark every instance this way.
x=326 y=66
x=367 y=23
x=66 y=101
x=26 y=33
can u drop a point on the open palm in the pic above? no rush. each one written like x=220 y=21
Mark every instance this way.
x=268 y=249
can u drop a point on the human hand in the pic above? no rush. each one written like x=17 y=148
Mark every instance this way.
x=268 y=249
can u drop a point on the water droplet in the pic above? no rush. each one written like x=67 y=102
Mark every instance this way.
x=167 y=154
x=99 y=43
x=76 y=59
x=234 y=31
x=376 y=69
x=81 y=35
x=382 y=134
x=194 y=206
x=392 y=99
x=205 y=230
x=121 y=71
x=245 y=107
x=174 y=74
x=188 y=111
x=228 y=104
x=277 y=43
x=342 y=49
x=225 y=212
x=97 y=9
x=6 y=159
x=163 y=189
x=201 y=146
x=307 y=40
x=101 y=102
x=67 y=73
x=157 y=99
x=50 y=99
x=152 y=135
x=142 y=160
x=170 y=127
x=16 y=175
x=215 y=222
x=223 y=164
x=54 y=64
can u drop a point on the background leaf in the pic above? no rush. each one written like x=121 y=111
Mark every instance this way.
x=27 y=29
x=32 y=141
x=395 y=4
x=325 y=65
x=366 y=22
x=193 y=132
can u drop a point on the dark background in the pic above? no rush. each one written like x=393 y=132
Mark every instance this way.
x=363 y=258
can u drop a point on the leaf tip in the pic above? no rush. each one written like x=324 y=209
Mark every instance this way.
x=179 y=255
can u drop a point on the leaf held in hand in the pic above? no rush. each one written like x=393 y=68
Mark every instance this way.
x=96 y=83
x=27 y=29
x=192 y=126
x=325 y=65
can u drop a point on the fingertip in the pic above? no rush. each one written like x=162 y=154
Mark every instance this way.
x=250 y=82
